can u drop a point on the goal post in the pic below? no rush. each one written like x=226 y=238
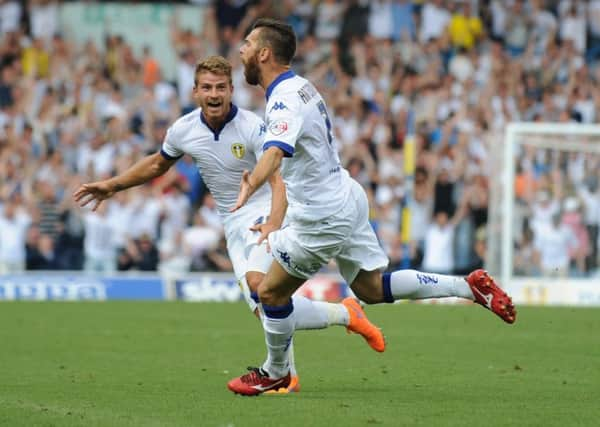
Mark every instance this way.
x=563 y=158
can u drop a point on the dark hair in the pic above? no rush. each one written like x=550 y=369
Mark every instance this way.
x=278 y=36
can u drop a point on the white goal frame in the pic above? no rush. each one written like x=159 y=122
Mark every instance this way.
x=513 y=130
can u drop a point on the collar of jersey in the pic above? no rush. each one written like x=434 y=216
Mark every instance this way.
x=229 y=117
x=283 y=76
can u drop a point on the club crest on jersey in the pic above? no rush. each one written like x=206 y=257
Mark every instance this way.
x=278 y=127
x=238 y=150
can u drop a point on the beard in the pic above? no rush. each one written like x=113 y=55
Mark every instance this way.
x=252 y=72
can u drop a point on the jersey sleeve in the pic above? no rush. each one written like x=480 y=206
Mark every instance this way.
x=170 y=149
x=284 y=122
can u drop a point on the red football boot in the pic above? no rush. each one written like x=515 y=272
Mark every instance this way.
x=257 y=382
x=294 y=387
x=488 y=294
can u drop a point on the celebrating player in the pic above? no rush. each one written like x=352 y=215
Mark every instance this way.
x=225 y=140
x=327 y=213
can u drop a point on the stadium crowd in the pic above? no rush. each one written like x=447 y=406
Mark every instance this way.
x=75 y=113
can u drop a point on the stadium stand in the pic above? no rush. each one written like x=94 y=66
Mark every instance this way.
x=75 y=112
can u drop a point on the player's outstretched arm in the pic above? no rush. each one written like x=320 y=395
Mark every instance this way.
x=264 y=169
x=144 y=170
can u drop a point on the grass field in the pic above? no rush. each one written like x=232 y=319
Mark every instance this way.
x=166 y=364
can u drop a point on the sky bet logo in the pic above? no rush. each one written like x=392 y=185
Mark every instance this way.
x=278 y=106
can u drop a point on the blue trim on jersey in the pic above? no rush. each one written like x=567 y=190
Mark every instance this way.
x=387 y=290
x=169 y=157
x=283 y=76
x=229 y=117
x=278 y=312
x=288 y=150
x=254 y=296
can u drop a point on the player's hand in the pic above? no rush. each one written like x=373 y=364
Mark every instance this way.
x=93 y=192
x=244 y=193
x=264 y=230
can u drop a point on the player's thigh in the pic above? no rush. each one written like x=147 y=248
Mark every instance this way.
x=278 y=286
x=361 y=250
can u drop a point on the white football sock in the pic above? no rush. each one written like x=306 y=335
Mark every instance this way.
x=412 y=284
x=278 y=336
x=318 y=315
x=292 y=360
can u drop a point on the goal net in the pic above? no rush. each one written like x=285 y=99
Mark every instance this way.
x=543 y=235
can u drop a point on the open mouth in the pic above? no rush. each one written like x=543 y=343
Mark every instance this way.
x=213 y=104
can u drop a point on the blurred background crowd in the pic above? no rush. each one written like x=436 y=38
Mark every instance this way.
x=72 y=113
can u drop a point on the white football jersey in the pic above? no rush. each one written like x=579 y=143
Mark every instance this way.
x=298 y=123
x=221 y=156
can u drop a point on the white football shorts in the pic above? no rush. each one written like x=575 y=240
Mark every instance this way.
x=303 y=247
x=244 y=252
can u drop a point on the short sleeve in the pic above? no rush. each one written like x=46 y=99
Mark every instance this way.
x=170 y=149
x=284 y=122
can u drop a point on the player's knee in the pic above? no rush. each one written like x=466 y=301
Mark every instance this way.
x=266 y=296
x=253 y=278
x=270 y=296
x=368 y=293
x=369 y=297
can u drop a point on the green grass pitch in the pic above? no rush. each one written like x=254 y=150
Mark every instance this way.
x=166 y=364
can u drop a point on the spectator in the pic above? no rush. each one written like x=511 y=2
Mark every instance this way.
x=381 y=19
x=10 y=16
x=43 y=15
x=439 y=244
x=150 y=68
x=73 y=111
x=185 y=78
x=45 y=256
x=465 y=28
x=200 y=239
x=328 y=20
x=593 y=20
x=580 y=247
x=525 y=256
x=139 y=254
x=403 y=25
x=36 y=60
x=99 y=241
x=174 y=257
x=209 y=212
x=14 y=222
x=553 y=243
x=573 y=27
x=434 y=20
x=217 y=259
x=590 y=195
x=517 y=30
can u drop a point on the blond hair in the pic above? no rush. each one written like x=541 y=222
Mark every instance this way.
x=214 y=64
